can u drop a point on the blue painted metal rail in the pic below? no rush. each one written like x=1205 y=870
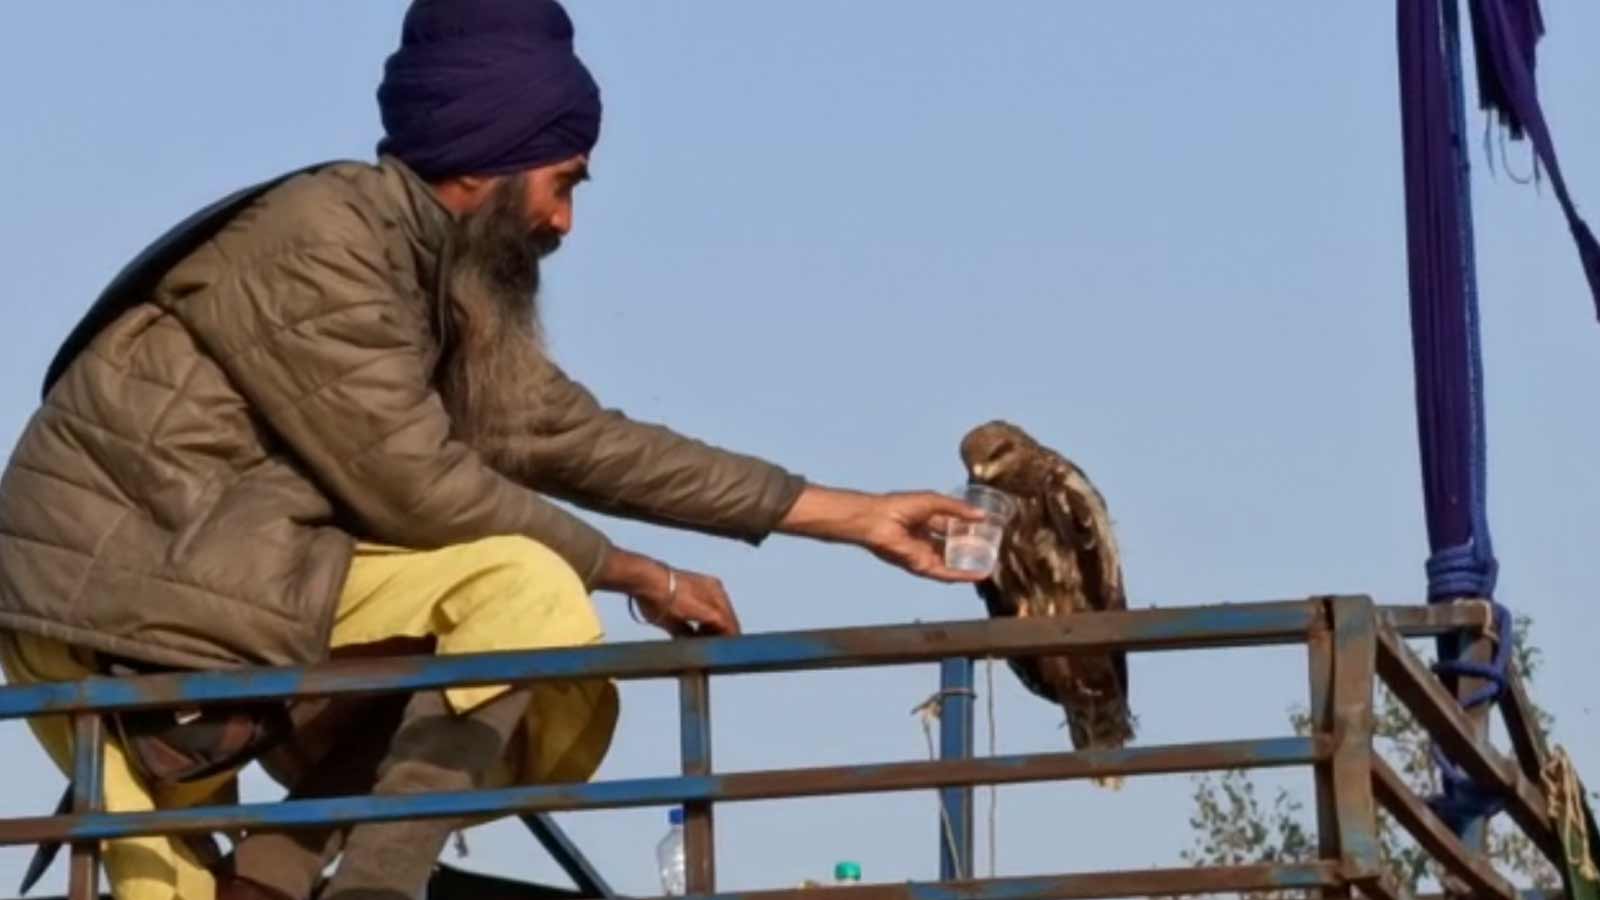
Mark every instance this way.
x=1351 y=643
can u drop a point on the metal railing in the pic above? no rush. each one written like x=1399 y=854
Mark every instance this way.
x=1351 y=644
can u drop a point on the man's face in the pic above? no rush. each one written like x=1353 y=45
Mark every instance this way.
x=518 y=220
x=493 y=289
x=547 y=194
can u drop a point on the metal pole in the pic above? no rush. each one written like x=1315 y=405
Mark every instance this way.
x=955 y=742
x=1355 y=811
x=699 y=832
x=88 y=746
x=1319 y=648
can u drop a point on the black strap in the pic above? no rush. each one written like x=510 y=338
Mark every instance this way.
x=138 y=278
x=45 y=853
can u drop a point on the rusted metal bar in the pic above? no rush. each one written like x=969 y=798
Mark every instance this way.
x=1227 y=625
x=88 y=793
x=1532 y=751
x=1437 y=711
x=1277 y=622
x=1355 y=630
x=1522 y=724
x=955 y=742
x=1385 y=887
x=1139 y=883
x=1434 y=836
x=566 y=854
x=728 y=787
x=699 y=825
x=450 y=883
x=1142 y=883
x=1319 y=652
x=1433 y=619
x=1522 y=894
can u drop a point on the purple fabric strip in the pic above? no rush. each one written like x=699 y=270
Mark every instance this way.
x=1506 y=36
x=1443 y=308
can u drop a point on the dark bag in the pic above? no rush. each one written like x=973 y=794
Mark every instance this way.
x=173 y=746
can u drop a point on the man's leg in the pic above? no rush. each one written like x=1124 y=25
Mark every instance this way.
x=436 y=749
x=334 y=749
x=503 y=593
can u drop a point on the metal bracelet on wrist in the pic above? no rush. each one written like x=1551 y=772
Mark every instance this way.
x=672 y=598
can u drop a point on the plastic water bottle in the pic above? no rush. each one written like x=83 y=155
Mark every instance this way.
x=669 y=856
x=846 y=873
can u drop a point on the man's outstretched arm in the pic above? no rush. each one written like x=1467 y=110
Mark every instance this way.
x=897 y=528
x=567 y=445
x=563 y=443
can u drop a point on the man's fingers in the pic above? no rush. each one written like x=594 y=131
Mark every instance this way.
x=730 y=615
x=953 y=576
x=703 y=601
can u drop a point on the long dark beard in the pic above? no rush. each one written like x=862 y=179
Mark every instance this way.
x=492 y=345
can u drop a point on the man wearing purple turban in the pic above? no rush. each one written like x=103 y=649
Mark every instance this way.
x=316 y=420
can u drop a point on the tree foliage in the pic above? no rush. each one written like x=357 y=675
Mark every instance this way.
x=1239 y=821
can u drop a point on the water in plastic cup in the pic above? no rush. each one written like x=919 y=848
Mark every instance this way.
x=975 y=546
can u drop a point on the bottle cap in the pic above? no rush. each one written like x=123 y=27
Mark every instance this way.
x=847 y=871
x=675 y=815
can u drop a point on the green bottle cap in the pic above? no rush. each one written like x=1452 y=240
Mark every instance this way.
x=847 y=871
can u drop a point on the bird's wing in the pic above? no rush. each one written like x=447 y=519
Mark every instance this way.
x=1078 y=513
x=1007 y=594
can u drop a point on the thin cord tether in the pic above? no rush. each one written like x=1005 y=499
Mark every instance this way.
x=929 y=711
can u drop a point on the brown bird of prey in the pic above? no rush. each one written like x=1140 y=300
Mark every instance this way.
x=1058 y=558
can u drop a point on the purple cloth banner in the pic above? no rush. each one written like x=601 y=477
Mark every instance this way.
x=1444 y=312
x=1506 y=36
x=1444 y=332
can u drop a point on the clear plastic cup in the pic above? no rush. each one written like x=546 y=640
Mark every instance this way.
x=974 y=546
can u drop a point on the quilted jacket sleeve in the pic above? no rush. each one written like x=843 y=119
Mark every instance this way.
x=571 y=447
x=314 y=332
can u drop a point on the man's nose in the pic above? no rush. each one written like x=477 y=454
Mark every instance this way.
x=561 y=220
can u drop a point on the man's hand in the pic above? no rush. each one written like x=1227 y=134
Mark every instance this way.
x=678 y=602
x=901 y=529
x=692 y=604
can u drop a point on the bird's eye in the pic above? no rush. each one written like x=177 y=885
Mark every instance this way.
x=1002 y=448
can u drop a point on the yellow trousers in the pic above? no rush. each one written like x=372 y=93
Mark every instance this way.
x=501 y=593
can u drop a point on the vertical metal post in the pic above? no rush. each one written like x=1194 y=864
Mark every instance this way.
x=1319 y=646
x=699 y=832
x=88 y=747
x=1479 y=650
x=1355 y=654
x=955 y=742
x=1453 y=646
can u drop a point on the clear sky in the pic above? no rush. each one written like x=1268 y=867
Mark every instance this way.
x=1166 y=238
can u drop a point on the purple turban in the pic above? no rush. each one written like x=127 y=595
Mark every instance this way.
x=486 y=87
